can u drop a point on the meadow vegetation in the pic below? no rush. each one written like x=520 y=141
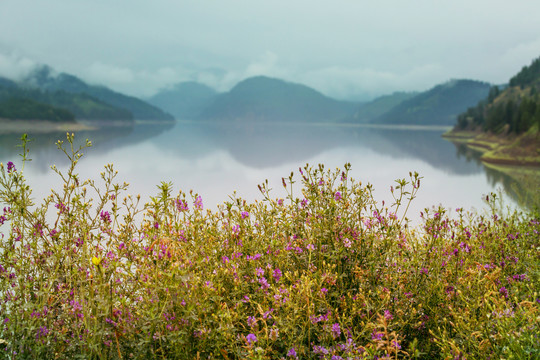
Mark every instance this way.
x=325 y=273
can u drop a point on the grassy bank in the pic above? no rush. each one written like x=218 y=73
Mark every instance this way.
x=518 y=150
x=326 y=273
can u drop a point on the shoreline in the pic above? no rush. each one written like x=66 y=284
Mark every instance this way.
x=511 y=150
x=8 y=126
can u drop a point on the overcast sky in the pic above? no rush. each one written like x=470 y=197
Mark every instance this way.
x=352 y=49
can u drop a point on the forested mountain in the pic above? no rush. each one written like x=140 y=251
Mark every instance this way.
x=267 y=99
x=80 y=106
x=185 y=100
x=515 y=109
x=43 y=79
x=437 y=106
x=377 y=107
x=28 y=109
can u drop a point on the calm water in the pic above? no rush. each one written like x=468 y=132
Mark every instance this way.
x=216 y=160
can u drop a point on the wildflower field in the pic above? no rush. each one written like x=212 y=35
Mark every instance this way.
x=326 y=273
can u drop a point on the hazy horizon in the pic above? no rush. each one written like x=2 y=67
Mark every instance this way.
x=347 y=50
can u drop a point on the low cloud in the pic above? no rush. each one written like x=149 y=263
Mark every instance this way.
x=15 y=66
x=142 y=83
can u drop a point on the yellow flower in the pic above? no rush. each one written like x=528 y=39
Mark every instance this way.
x=96 y=261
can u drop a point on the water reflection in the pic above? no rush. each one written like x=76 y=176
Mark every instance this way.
x=217 y=159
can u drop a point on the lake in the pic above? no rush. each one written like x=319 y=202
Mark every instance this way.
x=215 y=160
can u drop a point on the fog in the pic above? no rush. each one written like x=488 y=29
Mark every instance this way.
x=347 y=49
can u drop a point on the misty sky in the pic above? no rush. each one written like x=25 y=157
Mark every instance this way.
x=349 y=49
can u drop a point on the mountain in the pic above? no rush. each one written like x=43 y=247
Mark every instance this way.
x=185 y=100
x=505 y=126
x=437 y=106
x=263 y=99
x=514 y=109
x=44 y=79
x=28 y=109
x=375 y=108
x=80 y=106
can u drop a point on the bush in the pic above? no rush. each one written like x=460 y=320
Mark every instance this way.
x=328 y=274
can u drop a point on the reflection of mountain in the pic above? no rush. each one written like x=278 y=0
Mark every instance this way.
x=266 y=145
x=44 y=152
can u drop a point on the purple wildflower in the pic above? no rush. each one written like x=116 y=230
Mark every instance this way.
x=245 y=214
x=292 y=352
x=337 y=196
x=376 y=335
x=336 y=330
x=277 y=274
x=198 y=203
x=10 y=167
x=251 y=321
x=105 y=216
x=251 y=339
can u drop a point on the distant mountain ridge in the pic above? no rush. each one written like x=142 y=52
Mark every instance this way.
x=43 y=78
x=437 y=106
x=186 y=100
x=377 y=107
x=262 y=99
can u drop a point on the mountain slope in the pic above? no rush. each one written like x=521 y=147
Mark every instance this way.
x=28 y=109
x=267 y=99
x=43 y=79
x=505 y=127
x=437 y=106
x=81 y=106
x=515 y=109
x=185 y=100
x=377 y=107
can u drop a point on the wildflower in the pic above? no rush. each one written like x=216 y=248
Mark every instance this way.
x=324 y=291
x=320 y=350
x=251 y=339
x=337 y=196
x=310 y=247
x=264 y=283
x=105 y=216
x=42 y=332
x=181 y=205
x=336 y=330
x=277 y=274
x=198 y=203
x=504 y=292
x=347 y=243
x=251 y=321
x=10 y=167
x=396 y=344
x=245 y=214
x=96 y=261
x=375 y=335
x=292 y=352
x=388 y=315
